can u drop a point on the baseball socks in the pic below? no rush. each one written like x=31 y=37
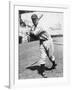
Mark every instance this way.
x=52 y=59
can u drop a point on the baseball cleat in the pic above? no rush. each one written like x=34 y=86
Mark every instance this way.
x=44 y=75
x=54 y=66
x=41 y=71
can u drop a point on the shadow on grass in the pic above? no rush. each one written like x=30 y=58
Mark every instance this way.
x=39 y=69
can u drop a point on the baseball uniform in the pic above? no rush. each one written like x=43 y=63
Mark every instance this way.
x=46 y=44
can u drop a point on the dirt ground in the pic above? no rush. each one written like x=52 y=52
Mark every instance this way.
x=29 y=54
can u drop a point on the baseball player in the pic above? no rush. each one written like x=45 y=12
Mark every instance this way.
x=46 y=44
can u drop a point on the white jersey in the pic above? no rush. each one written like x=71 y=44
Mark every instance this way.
x=40 y=33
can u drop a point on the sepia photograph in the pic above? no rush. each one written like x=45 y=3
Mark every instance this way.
x=40 y=44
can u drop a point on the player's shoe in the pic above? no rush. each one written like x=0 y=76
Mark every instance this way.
x=44 y=75
x=41 y=70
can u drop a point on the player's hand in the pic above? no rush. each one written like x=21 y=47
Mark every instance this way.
x=31 y=32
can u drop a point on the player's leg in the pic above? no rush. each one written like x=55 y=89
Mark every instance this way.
x=51 y=54
x=48 y=45
x=42 y=61
x=42 y=55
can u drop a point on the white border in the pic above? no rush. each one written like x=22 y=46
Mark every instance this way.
x=14 y=82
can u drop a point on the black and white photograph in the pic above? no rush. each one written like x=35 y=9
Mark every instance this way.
x=40 y=44
x=36 y=52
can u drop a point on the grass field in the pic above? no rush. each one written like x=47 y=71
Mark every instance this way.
x=29 y=53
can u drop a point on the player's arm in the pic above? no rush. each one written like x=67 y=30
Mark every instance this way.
x=36 y=31
x=31 y=32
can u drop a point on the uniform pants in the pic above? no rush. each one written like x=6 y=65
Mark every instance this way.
x=46 y=50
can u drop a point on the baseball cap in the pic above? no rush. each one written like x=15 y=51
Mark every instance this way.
x=34 y=16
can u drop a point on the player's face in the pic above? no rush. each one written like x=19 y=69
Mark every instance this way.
x=35 y=22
